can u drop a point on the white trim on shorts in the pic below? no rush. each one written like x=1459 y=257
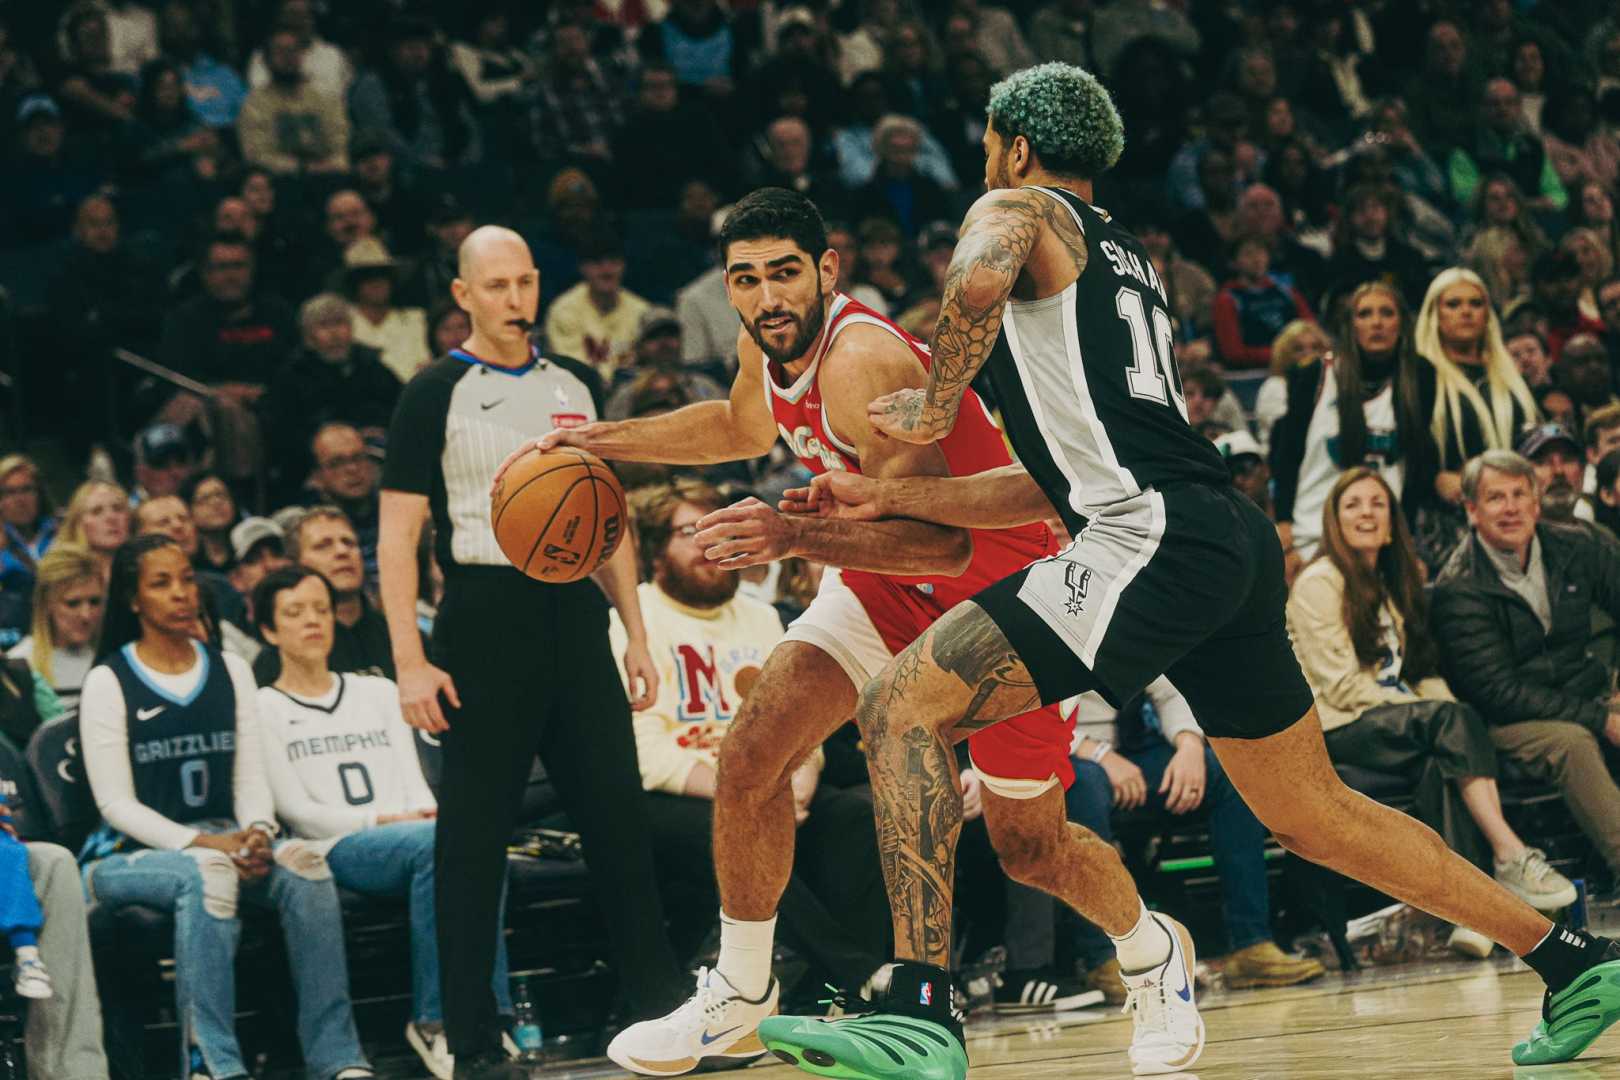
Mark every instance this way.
x=1014 y=789
x=836 y=622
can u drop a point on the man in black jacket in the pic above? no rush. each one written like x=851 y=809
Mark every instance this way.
x=1512 y=614
x=331 y=380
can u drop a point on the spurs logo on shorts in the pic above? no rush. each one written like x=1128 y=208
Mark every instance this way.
x=1078 y=580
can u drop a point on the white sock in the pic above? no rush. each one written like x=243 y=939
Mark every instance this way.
x=26 y=953
x=745 y=954
x=1146 y=946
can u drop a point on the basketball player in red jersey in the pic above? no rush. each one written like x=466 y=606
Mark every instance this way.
x=810 y=359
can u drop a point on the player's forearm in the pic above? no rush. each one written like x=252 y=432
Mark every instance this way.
x=1003 y=498
x=705 y=433
x=912 y=548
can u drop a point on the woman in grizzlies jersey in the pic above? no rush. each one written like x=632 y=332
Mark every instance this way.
x=171 y=748
x=1171 y=572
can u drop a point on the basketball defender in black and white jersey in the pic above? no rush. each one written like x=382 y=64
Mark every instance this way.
x=1171 y=572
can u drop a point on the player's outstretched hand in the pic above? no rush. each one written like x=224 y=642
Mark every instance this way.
x=748 y=533
x=419 y=688
x=900 y=415
x=576 y=436
x=845 y=495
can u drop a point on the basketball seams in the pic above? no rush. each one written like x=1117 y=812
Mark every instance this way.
x=594 y=552
x=561 y=504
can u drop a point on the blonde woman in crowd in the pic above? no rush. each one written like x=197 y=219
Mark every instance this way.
x=1474 y=399
x=98 y=520
x=1597 y=266
x=1299 y=343
x=1359 y=622
x=1498 y=255
x=68 y=593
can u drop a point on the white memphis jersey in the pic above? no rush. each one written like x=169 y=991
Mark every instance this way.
x=339 y=761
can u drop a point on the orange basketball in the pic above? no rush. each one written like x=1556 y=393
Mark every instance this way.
x=558 y=516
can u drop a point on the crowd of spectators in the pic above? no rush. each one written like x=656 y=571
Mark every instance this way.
x=1387 y=230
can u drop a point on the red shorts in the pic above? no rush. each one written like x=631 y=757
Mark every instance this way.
x=863 y=620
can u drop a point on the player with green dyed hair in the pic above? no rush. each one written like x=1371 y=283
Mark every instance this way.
x=1064 y=114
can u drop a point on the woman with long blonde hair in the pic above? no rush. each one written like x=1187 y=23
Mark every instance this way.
x=97 y=519
x=1473 y=398
x=68 y=593
x=1359 y=621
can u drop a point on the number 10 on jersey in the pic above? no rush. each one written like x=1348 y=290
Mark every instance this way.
x=1153 y=375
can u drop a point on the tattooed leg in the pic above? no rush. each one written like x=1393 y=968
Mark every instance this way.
x=960 y=675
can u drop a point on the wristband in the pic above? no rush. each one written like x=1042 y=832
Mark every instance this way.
x=1103 y=747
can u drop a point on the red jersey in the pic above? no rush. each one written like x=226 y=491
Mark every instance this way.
x=974 y=445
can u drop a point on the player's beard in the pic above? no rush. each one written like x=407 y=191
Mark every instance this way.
x=697 y=590
x=809 y=325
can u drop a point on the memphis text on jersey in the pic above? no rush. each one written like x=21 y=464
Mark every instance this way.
x=348 y=742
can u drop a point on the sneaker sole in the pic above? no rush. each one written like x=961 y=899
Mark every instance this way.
x=801 y=1050
x=743 y=1050
x=1189 y=957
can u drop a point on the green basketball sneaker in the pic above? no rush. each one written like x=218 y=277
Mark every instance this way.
x=1573 y=1018
x=914 y=1033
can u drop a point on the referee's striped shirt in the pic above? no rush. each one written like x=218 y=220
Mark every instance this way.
x=458 y=419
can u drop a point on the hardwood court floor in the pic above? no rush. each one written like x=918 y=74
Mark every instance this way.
x=1446 y=1021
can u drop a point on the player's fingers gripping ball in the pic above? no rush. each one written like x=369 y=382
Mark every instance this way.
x=558 y=516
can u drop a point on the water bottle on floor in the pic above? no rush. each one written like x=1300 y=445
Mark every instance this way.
x=528 y=1035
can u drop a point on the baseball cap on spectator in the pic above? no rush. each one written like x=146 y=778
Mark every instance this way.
x=795 y=17
x=936 y=234
x=570 y=185
x=1557 y=265
x=37 y=105
x=251 y=532
x=1236 y=444
x=1540 y=437
x=657 y=320
x=163 y=444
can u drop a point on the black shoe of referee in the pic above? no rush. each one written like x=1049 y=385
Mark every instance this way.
x=1039 y=990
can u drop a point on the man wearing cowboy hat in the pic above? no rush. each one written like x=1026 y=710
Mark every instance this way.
x=399 y=334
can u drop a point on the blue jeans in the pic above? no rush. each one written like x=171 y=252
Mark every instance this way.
x=20 y=916
x=397 y=860
x=206 y=933
x=1237 y=842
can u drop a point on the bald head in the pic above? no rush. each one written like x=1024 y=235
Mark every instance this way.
x=498 y=287
x=490 y=242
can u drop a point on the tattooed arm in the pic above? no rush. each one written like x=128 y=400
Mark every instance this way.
x=998 y=235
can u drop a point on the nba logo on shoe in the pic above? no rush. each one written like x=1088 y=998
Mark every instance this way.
x=926 y=995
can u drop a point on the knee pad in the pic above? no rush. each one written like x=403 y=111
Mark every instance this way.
x=219 y=881
x=301 y=858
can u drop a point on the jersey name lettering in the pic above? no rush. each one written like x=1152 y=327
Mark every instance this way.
x=804 y=444
x=183 y=746
x=1126 y=264
x=338 y=744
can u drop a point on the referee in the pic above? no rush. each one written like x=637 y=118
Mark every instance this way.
x=518 y=667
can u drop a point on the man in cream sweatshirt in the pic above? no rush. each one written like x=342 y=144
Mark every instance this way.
x=710 y=645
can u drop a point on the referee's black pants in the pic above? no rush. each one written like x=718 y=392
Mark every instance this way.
x=534 y=672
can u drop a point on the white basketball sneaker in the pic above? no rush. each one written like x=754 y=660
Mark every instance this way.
x=1169 y=1033
x=715 y=1022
